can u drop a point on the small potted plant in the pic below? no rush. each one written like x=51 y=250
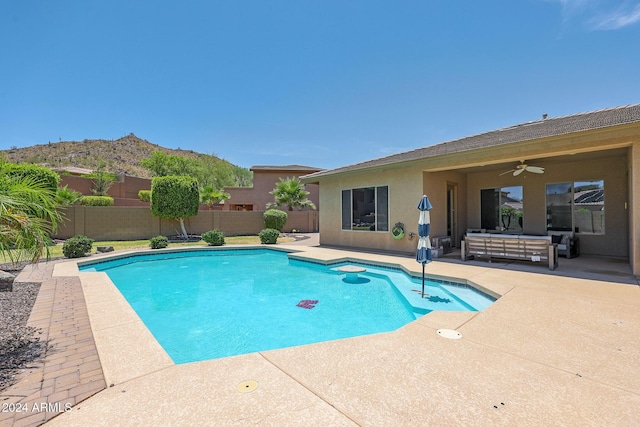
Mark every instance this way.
x=398 y=231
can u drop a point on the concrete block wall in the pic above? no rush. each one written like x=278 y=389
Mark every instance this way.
x=136 y=223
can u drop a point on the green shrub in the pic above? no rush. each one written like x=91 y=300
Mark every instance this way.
x=96 y=201
x=158 y=242
x=77 y=246
x=214 y=237
x=269 y=236
x=144 y=195
x=275 y=218
x=35 y=172
x=175 y=197
x=67 y=197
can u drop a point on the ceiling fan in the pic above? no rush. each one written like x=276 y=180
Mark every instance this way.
x=524 y=167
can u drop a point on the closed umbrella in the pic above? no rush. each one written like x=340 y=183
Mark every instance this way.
x=423 y=254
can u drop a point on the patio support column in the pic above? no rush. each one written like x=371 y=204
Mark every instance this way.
x=634 y=219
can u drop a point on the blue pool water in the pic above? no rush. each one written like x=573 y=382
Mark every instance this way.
x=206 y=304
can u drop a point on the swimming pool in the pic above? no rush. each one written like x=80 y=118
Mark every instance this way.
x=205 y=304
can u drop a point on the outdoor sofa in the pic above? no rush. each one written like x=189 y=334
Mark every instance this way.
x=510 y=246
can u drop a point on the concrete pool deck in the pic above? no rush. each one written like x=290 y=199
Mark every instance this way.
x=558 y=348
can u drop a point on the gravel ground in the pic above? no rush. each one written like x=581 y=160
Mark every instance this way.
x=20 y=344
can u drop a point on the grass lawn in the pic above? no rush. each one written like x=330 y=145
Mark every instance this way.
x=56 y=251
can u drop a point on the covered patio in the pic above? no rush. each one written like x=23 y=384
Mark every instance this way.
x=471 y=183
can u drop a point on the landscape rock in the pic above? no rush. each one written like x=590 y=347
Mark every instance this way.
x=20 y=345
x=6 y=281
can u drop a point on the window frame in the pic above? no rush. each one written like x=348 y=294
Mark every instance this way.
x=381 y=219
x=575 y=228
x=517 y=228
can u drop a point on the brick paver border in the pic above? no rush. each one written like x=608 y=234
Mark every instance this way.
x=70 y=371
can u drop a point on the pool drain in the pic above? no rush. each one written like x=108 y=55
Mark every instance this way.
x=247 y=386
x=449 y=333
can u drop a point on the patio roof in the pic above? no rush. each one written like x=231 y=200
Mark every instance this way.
x=529 y=131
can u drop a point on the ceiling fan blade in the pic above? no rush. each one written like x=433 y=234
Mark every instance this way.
x=518 y=172
x=535 y=169
x=504 y=173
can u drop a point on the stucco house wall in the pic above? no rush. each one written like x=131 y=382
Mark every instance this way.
x=435 y=186
x=264 y=181
x=403 y=185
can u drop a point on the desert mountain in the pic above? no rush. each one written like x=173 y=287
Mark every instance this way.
x=121 y=155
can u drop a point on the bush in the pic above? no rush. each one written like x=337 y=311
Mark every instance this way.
x=275 y=218
x=77 y=246
x=269 y=236
x=37 y=173
x=67 y=197
x=144 y=195
x=175 y=197
x=96 y=201
x=214 y=237
x=158 y=242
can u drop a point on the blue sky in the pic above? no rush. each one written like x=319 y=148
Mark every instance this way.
x=317 y=83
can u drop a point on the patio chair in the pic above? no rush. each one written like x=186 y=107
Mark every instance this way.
x=568 y=243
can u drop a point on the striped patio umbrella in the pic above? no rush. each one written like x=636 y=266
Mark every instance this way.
x=423 y=254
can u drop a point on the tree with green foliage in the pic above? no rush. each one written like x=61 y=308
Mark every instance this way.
x=102 y=180
x=210 y=196
x=507 y=213
x=175 y=197
x=243 y=177
x=28 y=211
x=207 y=169
x=163 y=164
x=291 y=193
x=215 y=172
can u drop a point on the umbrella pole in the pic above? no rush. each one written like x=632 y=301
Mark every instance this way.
x=423 y=280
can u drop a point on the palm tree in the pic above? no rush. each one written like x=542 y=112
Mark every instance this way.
x=291 y=193
x=209 y=195
x=28 y=217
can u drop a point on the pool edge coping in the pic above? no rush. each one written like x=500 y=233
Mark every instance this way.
x=132 y=362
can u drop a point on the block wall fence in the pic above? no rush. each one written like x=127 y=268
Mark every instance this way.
x=137 y=223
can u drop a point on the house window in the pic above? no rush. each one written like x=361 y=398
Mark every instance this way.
x=576 y=206
x=501 y=209
x=366 y=209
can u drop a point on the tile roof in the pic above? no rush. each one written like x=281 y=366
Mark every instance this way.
x=74 y=170
x=547 y=127
x=286 y=168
